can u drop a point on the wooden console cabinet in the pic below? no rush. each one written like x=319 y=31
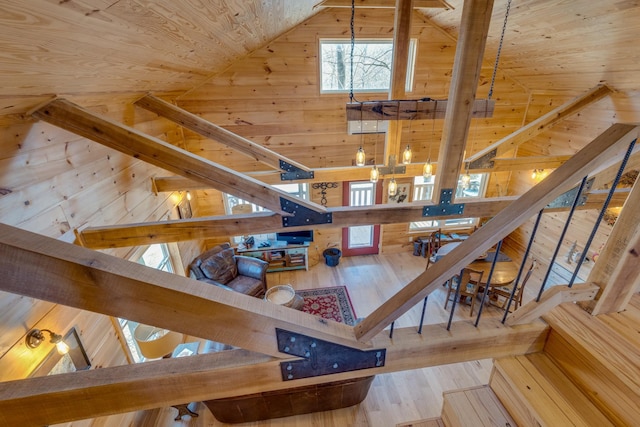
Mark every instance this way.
x=280 y=256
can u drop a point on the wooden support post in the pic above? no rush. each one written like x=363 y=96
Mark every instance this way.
x=617 y=269
x=128 y=140
x=476 y=17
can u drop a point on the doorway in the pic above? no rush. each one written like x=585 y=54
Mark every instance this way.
x=361 y=239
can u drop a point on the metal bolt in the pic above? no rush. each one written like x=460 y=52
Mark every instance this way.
x=290 y=377
x=286 y=349
x=289 y=367
x=292 y=339
x=313 y=344
x=335 y=366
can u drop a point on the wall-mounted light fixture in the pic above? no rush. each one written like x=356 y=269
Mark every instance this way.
x=35 y=337
x=537 y=174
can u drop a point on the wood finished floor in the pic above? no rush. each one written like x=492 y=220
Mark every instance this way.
x=393 y=398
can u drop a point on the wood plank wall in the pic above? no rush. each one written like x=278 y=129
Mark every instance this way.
x=54 y=182
x=273 y=98
x=567 y=138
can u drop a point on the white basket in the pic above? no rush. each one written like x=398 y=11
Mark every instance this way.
x=281 y=295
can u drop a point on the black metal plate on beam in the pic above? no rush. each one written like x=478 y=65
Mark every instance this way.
x=322 y=357
x=292 y=172
x=302 y=215
x=484 y=162
x=566 y=199
x=445 y=207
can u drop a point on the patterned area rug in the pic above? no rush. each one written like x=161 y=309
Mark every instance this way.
x=329 y=303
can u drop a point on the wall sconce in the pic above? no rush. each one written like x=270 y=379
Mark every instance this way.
x=35 y=337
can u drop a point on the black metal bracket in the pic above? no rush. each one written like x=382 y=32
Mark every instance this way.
x=484 y=162
x=322 y=357
x=302 y=215
x=292 y=172
x=445 y=207
x=566 y=199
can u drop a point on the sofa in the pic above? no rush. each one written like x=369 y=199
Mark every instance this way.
x=220 y=266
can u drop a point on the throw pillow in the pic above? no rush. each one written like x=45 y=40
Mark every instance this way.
x=220 y=267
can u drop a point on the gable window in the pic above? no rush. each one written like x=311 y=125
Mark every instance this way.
x=423 y=190
x=372 y=61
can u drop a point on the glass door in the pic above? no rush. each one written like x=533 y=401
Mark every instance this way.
x=361 y=239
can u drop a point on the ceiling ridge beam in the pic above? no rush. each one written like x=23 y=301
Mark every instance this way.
x=611 y=144
x=385 y=4
x=237 y=372
x=130 y=141
x=543 y=122
x=51 y=270
x=217 y=133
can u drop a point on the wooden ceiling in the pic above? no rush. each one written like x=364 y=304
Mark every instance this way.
x=137 y=46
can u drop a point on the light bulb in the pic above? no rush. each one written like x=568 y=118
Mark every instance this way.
x=374 y=174
x=406 y=155
x=393 y=187
x=360 y=157
x=62 y=347
x=427 y=171
x=188 y=195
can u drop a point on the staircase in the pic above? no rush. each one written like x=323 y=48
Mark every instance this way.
x=587 y=375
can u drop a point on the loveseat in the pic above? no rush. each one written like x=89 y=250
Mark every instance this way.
x=220 y=266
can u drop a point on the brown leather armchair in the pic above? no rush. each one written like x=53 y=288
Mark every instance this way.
x=221 y=267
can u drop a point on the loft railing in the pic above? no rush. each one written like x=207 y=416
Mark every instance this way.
x=614 y=144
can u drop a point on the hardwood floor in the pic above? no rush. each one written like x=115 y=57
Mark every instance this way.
x=393 y=398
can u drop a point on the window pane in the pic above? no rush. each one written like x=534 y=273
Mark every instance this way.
x=372 y=60
x=361 y=236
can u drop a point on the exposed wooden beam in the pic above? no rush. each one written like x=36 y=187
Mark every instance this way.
x=474 y=27
x=617 y=271
x=418 y=109
x=352 y=173
x=552 y=298
x=235 y=373
x=611 y=144
x=201 y=228
x=543 y=123
x=48 y=269
x=123 y=235
x=216 y=133
x=128 y=140
x=385 y=4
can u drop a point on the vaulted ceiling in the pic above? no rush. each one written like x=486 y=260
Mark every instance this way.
x=136 y=46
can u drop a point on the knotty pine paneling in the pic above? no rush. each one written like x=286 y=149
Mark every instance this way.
x=54 y=181
x=272 y=97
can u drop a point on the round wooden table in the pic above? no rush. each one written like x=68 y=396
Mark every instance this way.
x=504 y=272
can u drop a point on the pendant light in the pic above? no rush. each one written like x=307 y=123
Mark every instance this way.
x=374 y=175
x=466 y=178
x=406 y=155
x=427 y=170
x=393 y=187
x=360 y=157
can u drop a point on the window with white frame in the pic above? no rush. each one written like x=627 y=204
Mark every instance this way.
x=372 y=62
x=423 y=190
x=154 y=256
x=300 y=190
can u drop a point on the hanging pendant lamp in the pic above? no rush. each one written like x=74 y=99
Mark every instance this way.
x=360 y=157
x=427 y=170
x=393 y=187
x=374 y=175
x=406 y=155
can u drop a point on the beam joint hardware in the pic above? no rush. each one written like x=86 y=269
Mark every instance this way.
x=302 y=215
x=292 y=172
x=445 y=207
x=322 y=357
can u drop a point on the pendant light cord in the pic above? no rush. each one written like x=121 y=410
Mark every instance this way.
x=495 y=67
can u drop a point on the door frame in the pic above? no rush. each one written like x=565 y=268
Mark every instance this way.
x=369 y=250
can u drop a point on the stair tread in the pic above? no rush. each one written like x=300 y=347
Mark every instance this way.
x=474 y=407
x=605 y=345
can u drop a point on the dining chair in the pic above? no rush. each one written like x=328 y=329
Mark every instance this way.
x=430 y=246
x=470 y=280
x=500 y=295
